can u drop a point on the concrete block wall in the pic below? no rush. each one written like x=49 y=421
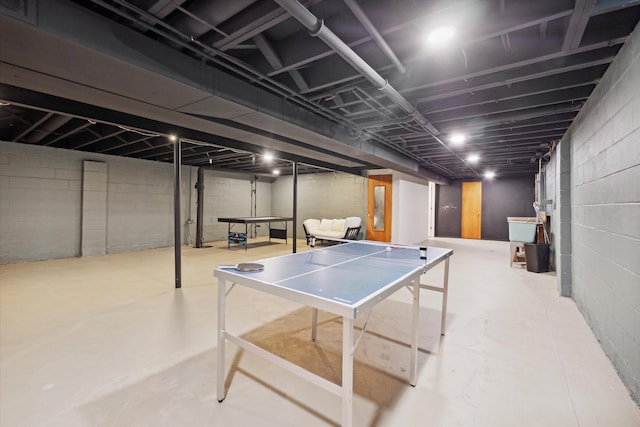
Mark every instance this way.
x=282 y=195
x=41 y=203
x=558 y=189
x=321 y=195
x=226 y=197
x=94 y=208
x=40 y=199
x=564 y=217
x=140 y=203
x=604 y=143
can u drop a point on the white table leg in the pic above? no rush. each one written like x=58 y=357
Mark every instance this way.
x=413 y=368
x=445 y=290
x=347 y=372
x=314 y=325
x=221 y=339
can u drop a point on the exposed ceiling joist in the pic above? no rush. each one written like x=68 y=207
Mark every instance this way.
x=245 y=76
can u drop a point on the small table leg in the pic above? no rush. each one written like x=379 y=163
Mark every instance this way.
x=314 y=325
x=221 y=339
x=347 y=372
x=445 y=291
x=413 y=367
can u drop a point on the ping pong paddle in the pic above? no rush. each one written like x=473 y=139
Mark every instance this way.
x=243 y=266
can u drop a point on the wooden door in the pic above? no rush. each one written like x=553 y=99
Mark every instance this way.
x=471 y=210
x=379 y=208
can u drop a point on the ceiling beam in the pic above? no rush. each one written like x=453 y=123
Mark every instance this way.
x=99 y=138
x=509 y=107
x=375 y=34
x=526 y=76
x=548 y=85
x=577 y=24
x=505 y=26
x=33 y=126
x=70 y=132
x=509 y=118
x=256 y=21
x=484 y=70
x=276 y=63
x=606 y=6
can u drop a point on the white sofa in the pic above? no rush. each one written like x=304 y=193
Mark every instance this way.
x=337 y=228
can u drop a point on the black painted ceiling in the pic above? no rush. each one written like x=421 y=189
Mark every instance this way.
x=512 y=79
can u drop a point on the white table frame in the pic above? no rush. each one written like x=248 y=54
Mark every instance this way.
x=348 y=313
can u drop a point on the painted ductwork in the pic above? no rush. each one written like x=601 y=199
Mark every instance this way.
x=75 y=54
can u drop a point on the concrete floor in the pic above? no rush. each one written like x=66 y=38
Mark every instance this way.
x=107 y=341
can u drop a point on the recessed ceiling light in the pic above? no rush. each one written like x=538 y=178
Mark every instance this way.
x=489 y=174
x=473 y=158
x=276 y=172
x=173 y=138
x=440 y=35
x=457 y=138
x=267 y=157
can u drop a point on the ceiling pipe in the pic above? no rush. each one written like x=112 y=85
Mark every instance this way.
x=317 y=28
x=172 y=35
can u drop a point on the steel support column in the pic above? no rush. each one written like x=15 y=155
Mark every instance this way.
x=177 y=162
x=200 y=211
x=295 y=207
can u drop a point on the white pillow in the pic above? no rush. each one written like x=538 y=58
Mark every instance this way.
x=325 y=224
x=338 y=225
x=311 y=223
x=353 y=221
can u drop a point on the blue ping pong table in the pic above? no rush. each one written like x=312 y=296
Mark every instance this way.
x=347 y=280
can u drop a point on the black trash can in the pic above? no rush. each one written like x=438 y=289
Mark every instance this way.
x=537 y=257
